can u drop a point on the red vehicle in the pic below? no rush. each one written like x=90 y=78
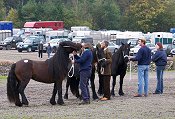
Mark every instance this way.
x=55 y=25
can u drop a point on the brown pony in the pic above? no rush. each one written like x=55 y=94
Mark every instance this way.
x=53 y=70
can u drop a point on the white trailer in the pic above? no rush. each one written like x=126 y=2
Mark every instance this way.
x=56 y=34
x=4 y=34
x=164 y=37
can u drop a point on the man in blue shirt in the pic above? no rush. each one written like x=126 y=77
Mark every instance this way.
x=143 y=57
x=85 y=61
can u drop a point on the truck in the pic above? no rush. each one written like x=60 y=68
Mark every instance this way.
x=56 y=34
x=55 y=25
x=165 y=38
x=6 y=29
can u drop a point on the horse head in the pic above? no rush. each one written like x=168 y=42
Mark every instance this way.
x=125 y=49
x=70 y=46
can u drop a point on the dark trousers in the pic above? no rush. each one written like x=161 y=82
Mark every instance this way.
x=84 y=79
x=106 y=84
x=40 y=53
x=100 y=89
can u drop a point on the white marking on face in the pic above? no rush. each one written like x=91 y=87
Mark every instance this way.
x=25 y=61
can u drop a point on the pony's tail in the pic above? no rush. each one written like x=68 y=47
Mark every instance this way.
x=11 y=84
x=74 y=85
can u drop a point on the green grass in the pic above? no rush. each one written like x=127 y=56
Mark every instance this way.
x=3 y=77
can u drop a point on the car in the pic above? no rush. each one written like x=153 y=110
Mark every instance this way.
x=112 y=47
x=172 y=52
x=168 y=49
x=10 y=42
x=30 y=43
x=54 y=43
x=133 y=51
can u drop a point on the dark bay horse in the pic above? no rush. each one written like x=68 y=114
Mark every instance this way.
x=53 y=70
x=119 y=66
x=73 y=81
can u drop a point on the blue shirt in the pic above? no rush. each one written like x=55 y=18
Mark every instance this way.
x=143 y=56
x=160 y=58
x=85 y=60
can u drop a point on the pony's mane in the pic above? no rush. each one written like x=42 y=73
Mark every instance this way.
x=58 y=64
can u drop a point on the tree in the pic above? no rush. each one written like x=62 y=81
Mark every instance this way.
x=2 y=10
x=29 y=11
x=106 y=15
x=13 y=16
x=142 y=12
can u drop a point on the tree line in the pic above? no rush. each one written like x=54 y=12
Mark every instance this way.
x=134 y=15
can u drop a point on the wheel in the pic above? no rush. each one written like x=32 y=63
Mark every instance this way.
x=8 y=47
x=29 y=49
x=115 y=50
x=19 y=50
x=54 y=49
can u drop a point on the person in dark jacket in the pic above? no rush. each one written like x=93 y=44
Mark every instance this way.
x=143 y=57
x=85 y=62
x=40 y=50
x=160 y=59
x=49 y=50
x=106 y=74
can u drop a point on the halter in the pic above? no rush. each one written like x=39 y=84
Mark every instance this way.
x=71 y=68
x=124 y=54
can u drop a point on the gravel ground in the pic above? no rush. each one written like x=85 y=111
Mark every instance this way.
x=125 y=107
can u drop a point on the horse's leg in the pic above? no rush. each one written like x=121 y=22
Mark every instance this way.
x=60 y=98
x=52 y=100
x=22 y=86
x=17 y=99
x=113 y=86
x=121 y=85
x=100 y=89
x=67 y=87
x=94 y=94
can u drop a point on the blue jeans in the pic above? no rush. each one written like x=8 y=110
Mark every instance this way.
x=84 y=79
x=159 y=72
x=143 y=76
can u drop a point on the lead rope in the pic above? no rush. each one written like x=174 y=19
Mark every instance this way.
x=71 y=68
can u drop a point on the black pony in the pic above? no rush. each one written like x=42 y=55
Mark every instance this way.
x=53 y=70
x=119 y=66
x=73 y=81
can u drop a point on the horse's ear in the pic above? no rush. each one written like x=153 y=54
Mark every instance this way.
x=122 y=43
x=129 y=43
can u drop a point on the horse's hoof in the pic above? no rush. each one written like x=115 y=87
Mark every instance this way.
x=52 y=102
x=112 y=94
x=61 y=103
x=66 y=96
x=95 y=97
x=121 y=94
x=25 y=103
x=19 y=104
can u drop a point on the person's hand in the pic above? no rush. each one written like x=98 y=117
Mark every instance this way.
x=74 y=53
x=72 y=61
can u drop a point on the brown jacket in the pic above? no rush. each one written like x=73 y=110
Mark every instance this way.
x=108 y=56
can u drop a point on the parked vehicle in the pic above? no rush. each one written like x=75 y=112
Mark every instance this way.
x=54 y=43
x=55 y=25
x=30 y=43
x=133 y=51
x=172 y=52
x=112 y=47
x=10 y=42
x=169 y=50
x=83 y=39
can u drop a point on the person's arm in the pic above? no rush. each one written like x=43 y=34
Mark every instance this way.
x=155 y=57
x=83 y=58
x=109 y=58
x=138 y=56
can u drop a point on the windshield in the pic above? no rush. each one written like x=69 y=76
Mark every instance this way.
x=8 y=39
